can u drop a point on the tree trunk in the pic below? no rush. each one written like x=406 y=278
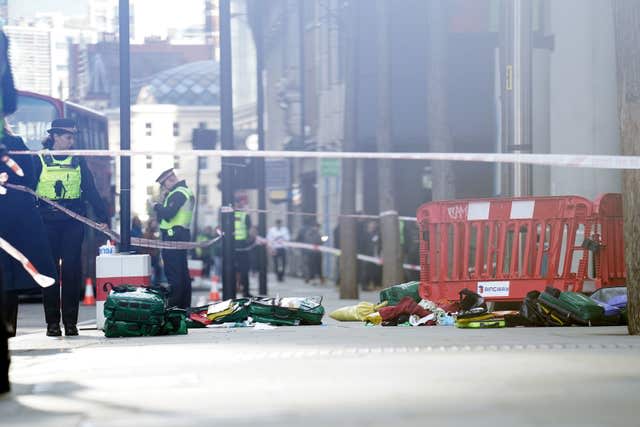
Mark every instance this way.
x=348 y=235
x=627 y=30
x=437 y=126
x=392 y=272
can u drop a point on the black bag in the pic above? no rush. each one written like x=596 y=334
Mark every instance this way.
x=530 y=312
x=470 y=299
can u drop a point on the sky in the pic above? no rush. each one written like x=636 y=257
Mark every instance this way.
x=152 y=17
x=31 y=7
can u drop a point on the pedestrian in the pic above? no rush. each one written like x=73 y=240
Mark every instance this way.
x=22 y=227
x=68 y=181
x=136 y=227
x=175 y=214
x=278 y=236
x=242 y=225
x=254 y=253
x=312 y=258
x=20 y=221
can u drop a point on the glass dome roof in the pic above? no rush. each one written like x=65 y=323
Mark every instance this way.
x=194 y=83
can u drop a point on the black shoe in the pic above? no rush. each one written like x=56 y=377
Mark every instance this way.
x=53 y=330
x=71 y=330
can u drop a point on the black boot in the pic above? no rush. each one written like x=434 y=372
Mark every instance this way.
x=53 y=330
x=71 y=330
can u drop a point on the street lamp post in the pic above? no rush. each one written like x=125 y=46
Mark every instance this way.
x=262 y=198
x=517 y=48
x=125 y=127
x=227 y=215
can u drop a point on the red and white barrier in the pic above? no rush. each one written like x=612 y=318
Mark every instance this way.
x=116 y=270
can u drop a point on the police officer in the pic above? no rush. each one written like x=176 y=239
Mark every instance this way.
x=68 y=181
x=242 y=225
x=175 y=214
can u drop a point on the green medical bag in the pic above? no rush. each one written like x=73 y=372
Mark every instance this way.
x=395 y=294
x=287 y=311
x=566 y=308
x=131 y=311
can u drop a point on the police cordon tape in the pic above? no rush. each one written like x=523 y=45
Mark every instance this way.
x=40 y=279
x=565 y=160
x=356 y=216
x=338 y=252
x=148 y=243
x=135 y=241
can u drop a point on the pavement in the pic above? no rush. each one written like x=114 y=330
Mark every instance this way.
x=343 y=374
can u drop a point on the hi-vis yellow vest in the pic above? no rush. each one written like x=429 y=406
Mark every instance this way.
x=60 y=179
x=185 y=213
x=240 y=227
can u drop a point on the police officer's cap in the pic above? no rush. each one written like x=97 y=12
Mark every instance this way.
x=63 y=126
x=164 y=175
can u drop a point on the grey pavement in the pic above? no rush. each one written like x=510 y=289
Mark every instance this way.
x=334 y=374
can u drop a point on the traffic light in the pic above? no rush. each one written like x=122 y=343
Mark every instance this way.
x=204 y=139
x=244 y=172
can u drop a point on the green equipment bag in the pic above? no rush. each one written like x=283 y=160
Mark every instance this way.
x=131 y=311
x=118 y=328
x=567 y=308
x=135 y=304
x=394 y=294
x=239 y=314
x=287 y=311
x=175 y=322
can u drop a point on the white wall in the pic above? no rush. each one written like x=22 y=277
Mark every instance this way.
x=162 y=118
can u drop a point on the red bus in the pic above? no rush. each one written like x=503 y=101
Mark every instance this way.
x=32 y=119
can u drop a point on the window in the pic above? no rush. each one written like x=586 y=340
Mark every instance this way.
x=203 y=195
x=147 y=129
x=149 y=162
x=176 y=162
x=176 y=129
x=203 y=162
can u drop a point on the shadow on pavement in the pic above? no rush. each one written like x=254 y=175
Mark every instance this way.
x=26 y=404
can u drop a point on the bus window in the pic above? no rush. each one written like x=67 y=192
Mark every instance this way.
x=32 y=119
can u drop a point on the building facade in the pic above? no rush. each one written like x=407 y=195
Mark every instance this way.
x=166 y=108
x=572 y=103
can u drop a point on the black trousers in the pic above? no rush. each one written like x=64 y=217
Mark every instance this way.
x=280 y=262
x=65 y=238
x=10 y=308
x=4 y=345
x=242 y=269
x=177 y=271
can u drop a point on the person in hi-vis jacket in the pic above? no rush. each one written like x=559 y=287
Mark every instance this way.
x=175 y=214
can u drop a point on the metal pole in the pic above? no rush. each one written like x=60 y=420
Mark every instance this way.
x=196 y=210
x=262 y=196
x=302 y=71
x=125 y=128
x=226 y=140
x=522 y=48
